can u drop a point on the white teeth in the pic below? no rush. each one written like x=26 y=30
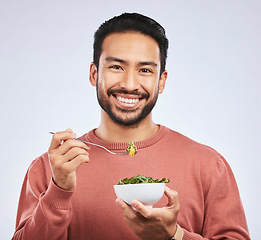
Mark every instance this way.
x=127 y=100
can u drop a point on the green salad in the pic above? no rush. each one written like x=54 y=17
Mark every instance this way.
x=142 y=179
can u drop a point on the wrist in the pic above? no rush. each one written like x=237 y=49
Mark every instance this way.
x=63 y=186
x=178 y=234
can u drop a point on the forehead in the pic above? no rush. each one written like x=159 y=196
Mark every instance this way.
x=130 y=46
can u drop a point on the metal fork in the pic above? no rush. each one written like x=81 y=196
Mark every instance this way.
x=97 y=145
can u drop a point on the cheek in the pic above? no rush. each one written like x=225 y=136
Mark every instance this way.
x=102 y=83
x=107 y=80
x=151 y=87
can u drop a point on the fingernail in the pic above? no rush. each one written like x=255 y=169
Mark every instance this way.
x=167 y=189
x=118 y=201
x=87 y=147
x=134 y=204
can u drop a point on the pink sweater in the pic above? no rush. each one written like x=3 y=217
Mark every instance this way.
x=210 y=203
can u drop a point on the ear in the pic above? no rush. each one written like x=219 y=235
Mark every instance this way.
x=162 y=81
x=93 y=74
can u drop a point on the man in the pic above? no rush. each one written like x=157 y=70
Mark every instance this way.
x=63 y=197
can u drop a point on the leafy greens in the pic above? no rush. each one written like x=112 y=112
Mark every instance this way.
x=142 y=179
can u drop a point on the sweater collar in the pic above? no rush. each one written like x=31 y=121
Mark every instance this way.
x=91 y=137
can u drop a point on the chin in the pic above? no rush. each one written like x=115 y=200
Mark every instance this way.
x=126 y=122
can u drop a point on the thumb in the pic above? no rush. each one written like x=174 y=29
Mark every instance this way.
x=172 y=196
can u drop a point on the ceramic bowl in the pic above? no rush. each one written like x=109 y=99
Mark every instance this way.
x=147 y=193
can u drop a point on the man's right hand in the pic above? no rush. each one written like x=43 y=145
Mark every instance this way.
x=66 y=154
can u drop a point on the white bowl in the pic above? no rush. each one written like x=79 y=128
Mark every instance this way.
x=147 y=193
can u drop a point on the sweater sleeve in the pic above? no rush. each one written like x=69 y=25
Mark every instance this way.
x=44 y=210
x=224 y=216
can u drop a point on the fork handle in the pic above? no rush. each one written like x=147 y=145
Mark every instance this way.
x=97 y=145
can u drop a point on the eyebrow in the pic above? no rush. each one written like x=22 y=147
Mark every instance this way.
x=115 y=59
x=150 y=63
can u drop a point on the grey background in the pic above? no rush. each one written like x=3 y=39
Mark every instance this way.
x=212 y=93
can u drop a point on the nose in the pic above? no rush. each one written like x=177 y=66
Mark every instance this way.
x=130 y=81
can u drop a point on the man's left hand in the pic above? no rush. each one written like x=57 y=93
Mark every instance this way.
x=152 y=223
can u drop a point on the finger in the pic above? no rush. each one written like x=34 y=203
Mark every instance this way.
x=69 y=144
x=172 y=196
x=123 y=205
x=77 y=161
x=128 y=211
x=143 y=210
x=73 y=153
x=59 y=137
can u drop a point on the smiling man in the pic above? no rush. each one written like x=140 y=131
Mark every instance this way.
x=128 y=82
x=64 y=198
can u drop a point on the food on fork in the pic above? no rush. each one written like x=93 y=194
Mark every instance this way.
x=132 y=149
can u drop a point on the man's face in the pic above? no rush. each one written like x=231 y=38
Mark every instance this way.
x=128 y=80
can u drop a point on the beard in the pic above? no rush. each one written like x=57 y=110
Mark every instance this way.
x=124 y=116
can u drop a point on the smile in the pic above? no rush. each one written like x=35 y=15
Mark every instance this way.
x=127 y=100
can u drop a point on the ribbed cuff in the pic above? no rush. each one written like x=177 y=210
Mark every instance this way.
x=57 y=197
x=179 y=233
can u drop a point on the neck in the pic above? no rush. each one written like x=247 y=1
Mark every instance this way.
x=113 y=132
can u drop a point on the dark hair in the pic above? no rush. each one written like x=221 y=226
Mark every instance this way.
x=131 y=22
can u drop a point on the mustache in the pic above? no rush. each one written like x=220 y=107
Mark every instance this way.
x=124 y=91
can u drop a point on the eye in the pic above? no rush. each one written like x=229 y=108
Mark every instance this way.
x=116 y=67
x=146 y=70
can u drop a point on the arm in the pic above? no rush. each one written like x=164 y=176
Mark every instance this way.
x=44 y=211
x=224 y=216
x=45 y=215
